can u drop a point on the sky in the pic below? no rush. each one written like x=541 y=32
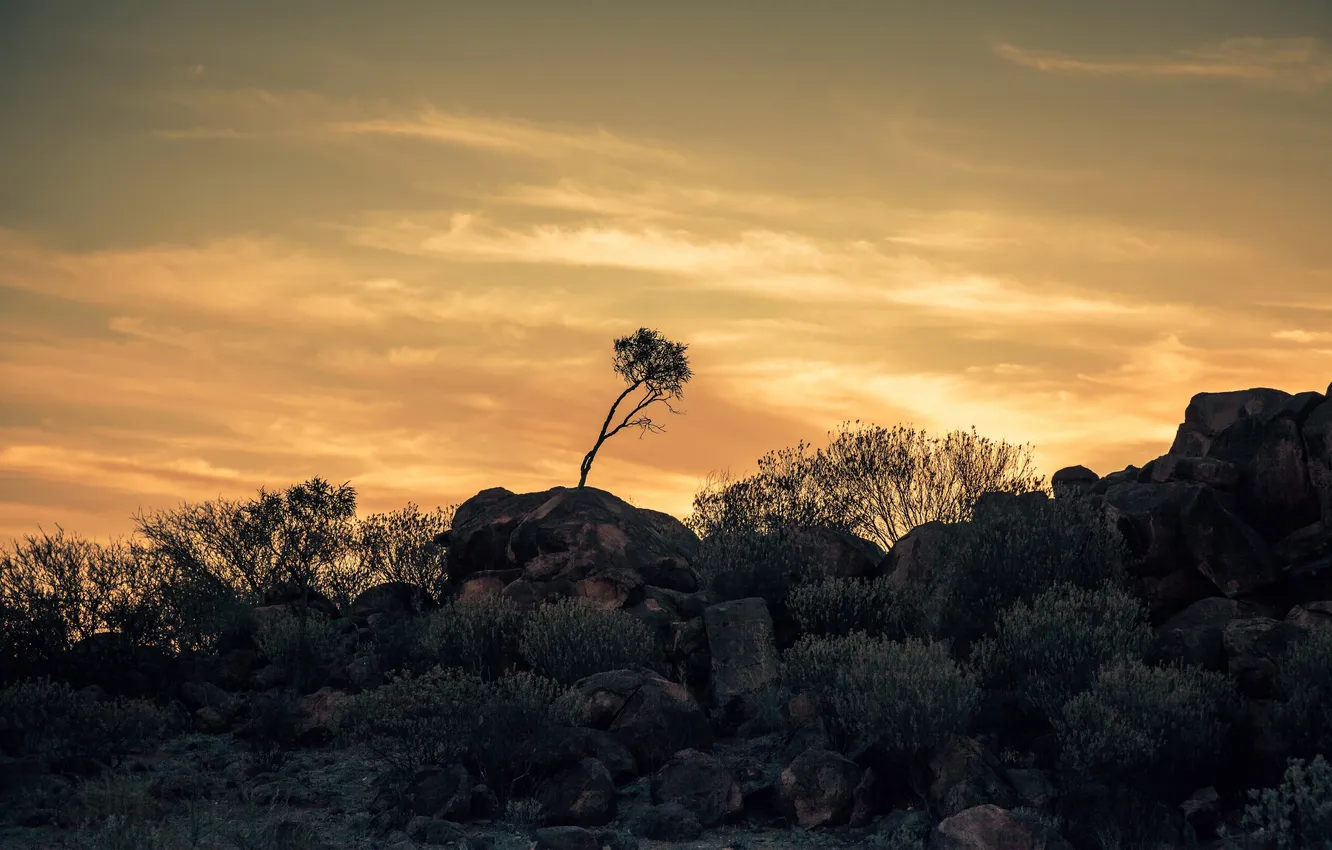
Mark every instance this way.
x=247 y=243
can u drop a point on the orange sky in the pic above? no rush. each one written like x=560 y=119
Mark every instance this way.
x=246 y=243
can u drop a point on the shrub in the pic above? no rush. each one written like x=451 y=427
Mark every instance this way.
x=59 y=589
x=479 y=635
x=272 y=728
x=1297 y=814
x=1304 y=685
x=738 y=563
x=1050 y=649
x=906 y=697
x=1013 y=553
x=404 y=546
x=303 y=645
x=1140 y=722
x=572 y=638
x=446 y=715
x=50 y=720
x=839 y=606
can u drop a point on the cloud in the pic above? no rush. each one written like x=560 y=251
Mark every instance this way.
x=1296 y=63
x=253 y=113
x=1303 y=336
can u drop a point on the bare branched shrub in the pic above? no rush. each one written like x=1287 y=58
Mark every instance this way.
x=404 y=546
x=59 y=589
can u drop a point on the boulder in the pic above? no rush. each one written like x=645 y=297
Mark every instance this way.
x=701 y=784
x=316 y=716
x=653 y=717
x=564 y=838
x=1208 y=414
x=669 y=822
x=434 y=831
x=1167 y=595
x=1196 y=634
x=1170 y=469
x=818 y=788
x=673 y=530
x=1305 y=551
x=576 y=533
x=390 y=597
x=293 y=597
x=614 y=588
x=528 y=594
x=442 y=793
x=580 y=795
x=1148 y=518
x=990 y=827
x=486 y=583
x=1203 y=812
x=839 y=553
x=1073 y=481
x=1317 y=436
x=1311 y=615
x=997 y=504
x=566 y=746
x=1274 y=493
x=965 y=774
x=482 y=525
x=918 y=553
x=1033 y=787
x=744 y=654
x=1253 y=645
x=1223 y=547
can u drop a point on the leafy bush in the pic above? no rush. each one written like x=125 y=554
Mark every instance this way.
x=1137 y=722
x=572 y=638
x=303 y=645
x=1050 y=649
x=479 y=635
x=446 y=715
x=270 y=731
x=50 y=720
x=839 y=606
x=904 y=696
x=1304 y=685
x=1297 y=814
x=1012 y=553
x=739 y=563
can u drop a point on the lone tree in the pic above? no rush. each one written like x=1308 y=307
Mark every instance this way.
x=643 y=359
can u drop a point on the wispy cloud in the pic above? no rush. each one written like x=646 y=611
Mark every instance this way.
x=263 y=113
x=1297 y=63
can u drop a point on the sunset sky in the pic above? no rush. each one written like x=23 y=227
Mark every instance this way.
x=245 y=243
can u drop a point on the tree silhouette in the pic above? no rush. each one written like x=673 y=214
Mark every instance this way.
x=643 y=359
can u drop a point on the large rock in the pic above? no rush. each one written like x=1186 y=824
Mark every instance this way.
x=580 y=795
x=443 y=793
x=990 y=827
x=578 y=533
x=566 y=746
x=1274 y=493
x=1147 y=517
x=744 y=654
x=818 y=788
x=1170 y=469
x=1073 y=481
x=701 y=784
x=965 y=774
x=1196 y=635
x=1208 y=414
x=839 y=553
x=653 y=717
x=1253 y=647
x=482 y=525
x=1317 y=435
x=918 y=553
x=1224 y=548
x=1167 y=595
x=391 y=597
x=1311 y=615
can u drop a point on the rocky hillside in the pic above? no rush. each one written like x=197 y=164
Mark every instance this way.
x=682 y=713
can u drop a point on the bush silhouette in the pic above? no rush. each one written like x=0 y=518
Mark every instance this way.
x=478 y=635
x=1050 y=649
x=1304 y=687
x=1150 y=725
x=833 y=606
x=903 y=696
x=50 y=720
x=570 y=639
x=1298 y=813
